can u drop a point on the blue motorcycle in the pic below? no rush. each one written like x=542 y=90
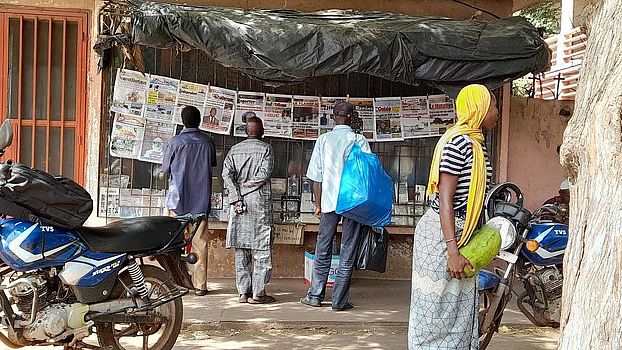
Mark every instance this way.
x=532 y=253
x=61 y=285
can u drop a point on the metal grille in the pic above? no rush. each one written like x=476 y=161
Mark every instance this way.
x=44 y=88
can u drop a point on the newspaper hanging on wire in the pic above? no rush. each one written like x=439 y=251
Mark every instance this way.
x=156 y=137
x=387 y=119
x=219 y=110
x=442 y=110
x=327 y=119
x=248 y=104
x=127 y=136
x=415 y=118
x=363 y=119
x=130 y=88
x=161 y=98
x=277 y=120
x=306 y=123
x=190 y=94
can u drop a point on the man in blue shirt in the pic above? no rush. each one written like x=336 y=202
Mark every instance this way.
x=189 y=159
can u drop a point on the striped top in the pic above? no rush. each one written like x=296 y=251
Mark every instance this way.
x=457 y=159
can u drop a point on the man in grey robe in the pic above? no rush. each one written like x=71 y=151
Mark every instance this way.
x=247 y=170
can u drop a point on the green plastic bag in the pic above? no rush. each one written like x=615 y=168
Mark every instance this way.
x=481 y=249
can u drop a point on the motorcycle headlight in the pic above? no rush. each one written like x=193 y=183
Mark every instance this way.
x=507 y=230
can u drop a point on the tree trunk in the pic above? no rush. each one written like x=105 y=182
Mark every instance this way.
x=592 y=153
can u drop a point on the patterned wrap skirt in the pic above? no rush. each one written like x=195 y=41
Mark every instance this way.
x=443 y=310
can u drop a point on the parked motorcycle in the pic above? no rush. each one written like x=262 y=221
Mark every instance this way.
x=532 y=253
x=61 y=285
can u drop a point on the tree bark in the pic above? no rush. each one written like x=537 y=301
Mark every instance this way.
x=592 y=153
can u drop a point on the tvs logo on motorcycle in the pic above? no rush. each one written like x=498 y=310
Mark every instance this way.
x=561 y=232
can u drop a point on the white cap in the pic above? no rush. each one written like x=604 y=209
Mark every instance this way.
x=565 y=185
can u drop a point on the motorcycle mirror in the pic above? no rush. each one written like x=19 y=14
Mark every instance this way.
x=6 y=134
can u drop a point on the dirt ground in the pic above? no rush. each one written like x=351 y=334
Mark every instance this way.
x=379 y=321
x=304 y=338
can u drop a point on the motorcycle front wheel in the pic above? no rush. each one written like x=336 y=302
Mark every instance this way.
x=485 y=335
x=147 y=336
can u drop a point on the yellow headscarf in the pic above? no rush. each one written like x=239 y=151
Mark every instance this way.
x=472 y=106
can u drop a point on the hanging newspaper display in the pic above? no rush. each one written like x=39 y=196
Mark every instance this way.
x=387 y=119
x=298 y=117
x=363 y=119
x=306 y=121
x=219 y=109
x=248 y=104
x=161 y=98
x=415 y=117
x=127 y=136
x=277 y=120
x=190 y=94
x=129 y=92
x=327 y=119
x=147 y=108
x=156 y=137
x=442 y=111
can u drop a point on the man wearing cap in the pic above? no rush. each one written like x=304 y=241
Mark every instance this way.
x=562 y=201
x=564 y=194
x=325 y=168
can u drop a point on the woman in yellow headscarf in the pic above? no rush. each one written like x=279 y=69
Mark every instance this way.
x=444 y=303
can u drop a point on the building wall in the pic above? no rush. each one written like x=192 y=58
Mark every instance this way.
x=288 y=260
x=67 y=4
x=536 y=129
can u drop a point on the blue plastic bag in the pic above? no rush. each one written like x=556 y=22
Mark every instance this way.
x=366 y=190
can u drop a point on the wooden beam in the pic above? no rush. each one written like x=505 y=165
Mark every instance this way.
x=504 y=144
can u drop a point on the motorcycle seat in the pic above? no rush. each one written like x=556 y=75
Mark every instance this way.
x=137 y=235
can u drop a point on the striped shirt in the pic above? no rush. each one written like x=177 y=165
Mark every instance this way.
x=457 y=159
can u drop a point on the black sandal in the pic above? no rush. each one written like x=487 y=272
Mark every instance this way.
x=264 y=299
x=243 y=299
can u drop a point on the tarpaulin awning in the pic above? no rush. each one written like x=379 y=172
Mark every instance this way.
x=283 y=46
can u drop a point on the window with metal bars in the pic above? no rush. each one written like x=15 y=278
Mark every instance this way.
x=43 y=58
